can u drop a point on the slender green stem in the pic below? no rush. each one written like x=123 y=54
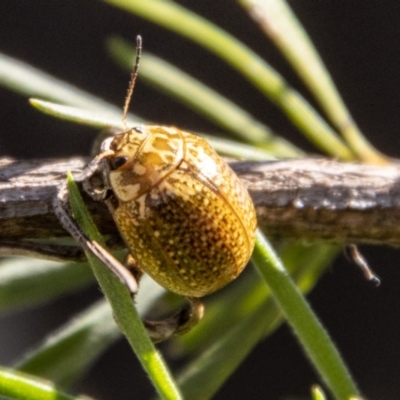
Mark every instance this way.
x=317 y=393
x=22 y=281
x=30 y=81
x=76 y=115
x=125 y=313
x=278 y=21
x=309 y=330
x=236 y=331
x=203 y=99
x=59 y=356
x=17 y=385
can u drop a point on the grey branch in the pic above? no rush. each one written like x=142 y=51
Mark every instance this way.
x=307 y=198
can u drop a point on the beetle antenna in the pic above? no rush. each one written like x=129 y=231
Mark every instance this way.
x=132 y=81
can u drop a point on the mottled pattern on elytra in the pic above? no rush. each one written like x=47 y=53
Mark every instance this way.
x=193 y=232
x=198 y=154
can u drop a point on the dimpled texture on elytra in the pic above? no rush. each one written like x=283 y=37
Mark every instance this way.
x=185 y=217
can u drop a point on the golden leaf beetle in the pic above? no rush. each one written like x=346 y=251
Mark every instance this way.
x=185 y=217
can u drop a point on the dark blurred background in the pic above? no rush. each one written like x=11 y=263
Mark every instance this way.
x=358 y=42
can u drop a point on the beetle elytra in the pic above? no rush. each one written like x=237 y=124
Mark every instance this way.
x=185 y=217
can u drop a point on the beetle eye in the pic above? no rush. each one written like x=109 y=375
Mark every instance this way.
x=118 y=162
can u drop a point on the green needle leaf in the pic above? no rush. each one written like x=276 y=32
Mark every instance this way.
x=249 y=64
x=279 y=22
x=306 y=326
x=125 y=313
x=17 y=385
x=30 y=81
x=194 y=94
x=60 y=359
x=28 y=282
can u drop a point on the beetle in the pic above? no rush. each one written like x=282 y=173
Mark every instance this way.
x=185 y=217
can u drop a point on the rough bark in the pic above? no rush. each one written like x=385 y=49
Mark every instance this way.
x=306 y=198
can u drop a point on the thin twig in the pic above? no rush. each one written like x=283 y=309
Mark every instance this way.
x=310 y=198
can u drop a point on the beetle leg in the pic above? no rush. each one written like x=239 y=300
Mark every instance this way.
x=133 y=267
x=97 y=166
x=178 y=324
x=63 y=212
x=189 y=316
x=354 y=255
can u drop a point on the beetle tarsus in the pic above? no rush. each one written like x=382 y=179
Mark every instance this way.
x=190 y=316
x=178 y=324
